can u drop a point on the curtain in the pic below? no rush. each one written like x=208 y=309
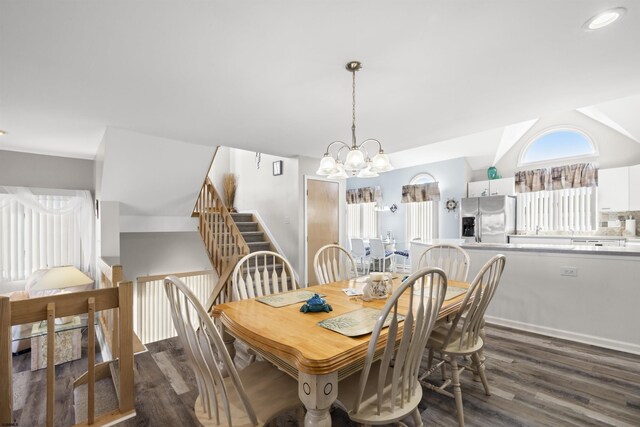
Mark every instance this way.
x=557 y=178
x=364 y=195
x=48 y=225
x=429 y=192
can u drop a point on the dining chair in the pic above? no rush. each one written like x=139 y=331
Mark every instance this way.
x=462 y=337
x=250 y=397
x=387 y=389
x=451 y=258
x=380 y=254
x=359 y=252
x=262 y=273
x=333 y=263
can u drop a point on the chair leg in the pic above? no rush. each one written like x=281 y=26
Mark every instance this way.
x=443 y=368
x=481 y=372
x=457 y=391
x=417 y=419
x=430 y=359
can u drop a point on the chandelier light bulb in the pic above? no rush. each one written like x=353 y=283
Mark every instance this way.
x=355 y=160
x=327 y=166
x=339 y=172
x=381 y=163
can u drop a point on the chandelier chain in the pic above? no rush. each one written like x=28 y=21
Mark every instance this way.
x=353 y=99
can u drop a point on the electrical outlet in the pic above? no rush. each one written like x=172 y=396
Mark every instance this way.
x=568 y=271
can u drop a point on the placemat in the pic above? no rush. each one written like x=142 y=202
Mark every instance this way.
x=452 y=291
x=287 y=298
x=357 y=322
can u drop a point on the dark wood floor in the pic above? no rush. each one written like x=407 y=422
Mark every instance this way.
x=535 y=380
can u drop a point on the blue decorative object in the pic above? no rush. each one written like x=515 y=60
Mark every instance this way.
x=492 y=172
x=315 y=304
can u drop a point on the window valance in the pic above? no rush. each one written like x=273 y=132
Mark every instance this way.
x=364 y=195
x=420 y=192
x=557 y=178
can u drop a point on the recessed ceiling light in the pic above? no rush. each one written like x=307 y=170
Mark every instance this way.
x=3 y=132
x=603 y=19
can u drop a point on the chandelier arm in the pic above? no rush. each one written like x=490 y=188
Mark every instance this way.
x=380 y=150
x=335 y=142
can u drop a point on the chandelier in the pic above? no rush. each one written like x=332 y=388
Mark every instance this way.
x=357 y=161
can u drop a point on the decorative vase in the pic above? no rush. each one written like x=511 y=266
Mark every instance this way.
x=492 y=172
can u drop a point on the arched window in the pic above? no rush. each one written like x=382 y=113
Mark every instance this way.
x=557 y=144
x=422 y=178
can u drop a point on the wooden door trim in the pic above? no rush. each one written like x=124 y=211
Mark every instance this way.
x=305 y=220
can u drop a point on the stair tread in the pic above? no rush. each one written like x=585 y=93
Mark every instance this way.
x=253 y=233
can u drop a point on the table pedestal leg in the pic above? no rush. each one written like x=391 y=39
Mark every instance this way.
x=229 y=341
x=317 y=393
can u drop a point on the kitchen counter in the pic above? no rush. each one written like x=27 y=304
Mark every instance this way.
x=567 y=236
x=586 y=294
x=550 y=248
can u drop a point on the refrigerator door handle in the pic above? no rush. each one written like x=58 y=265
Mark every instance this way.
x=479 y=228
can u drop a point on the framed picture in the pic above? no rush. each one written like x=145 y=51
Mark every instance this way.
x=277 y=167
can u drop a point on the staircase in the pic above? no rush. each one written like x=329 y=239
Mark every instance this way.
x=227 y=238
x=252 y=232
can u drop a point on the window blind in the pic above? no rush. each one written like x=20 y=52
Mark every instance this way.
x=421 y=220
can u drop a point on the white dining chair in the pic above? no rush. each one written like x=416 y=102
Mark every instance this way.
x=250 y=397
x=333 y=263
x=359 y=252
x=462 y=337
x=380 y=255
x=262 y=273
x=387 y=389
x=452 y=259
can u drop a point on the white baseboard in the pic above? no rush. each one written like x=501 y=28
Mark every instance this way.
x=567 y=335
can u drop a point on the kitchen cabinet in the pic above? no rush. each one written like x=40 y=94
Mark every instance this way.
x=634 y=188
x=502 y=187
x=613 y=189
x=478 y=189
x=494 y=187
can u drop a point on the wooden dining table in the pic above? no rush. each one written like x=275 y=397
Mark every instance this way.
x=317 y=357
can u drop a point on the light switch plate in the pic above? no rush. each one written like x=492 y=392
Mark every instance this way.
x=569 y=271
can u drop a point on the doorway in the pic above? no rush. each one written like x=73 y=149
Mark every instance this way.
x=322 y=219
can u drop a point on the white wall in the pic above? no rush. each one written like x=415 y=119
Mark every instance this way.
x=221 y=165
x=144 y=254
x=35 y=170
x=274 y=197
x=452 y=176
x=614 y=148
x=152 y=177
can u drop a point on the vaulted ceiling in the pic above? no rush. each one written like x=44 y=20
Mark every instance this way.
x=269 y=75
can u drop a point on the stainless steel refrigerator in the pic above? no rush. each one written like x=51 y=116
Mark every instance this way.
x=488 y=219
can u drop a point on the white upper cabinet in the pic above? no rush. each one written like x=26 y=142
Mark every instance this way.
x=634 y=188
x=478 y=189
x=613 y=189
x=495 y=187
x=502 y=187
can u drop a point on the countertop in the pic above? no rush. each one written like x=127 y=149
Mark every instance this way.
x=544 y=248
x=568 y=236
x=517 y=247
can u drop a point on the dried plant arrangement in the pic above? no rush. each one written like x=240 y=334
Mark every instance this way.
x=230 y=184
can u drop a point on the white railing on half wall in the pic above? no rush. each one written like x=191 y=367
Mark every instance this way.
x=152 y=314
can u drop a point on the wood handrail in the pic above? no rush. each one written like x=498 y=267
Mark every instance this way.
x=145 y=279
x=118 y=298
x=222 y=238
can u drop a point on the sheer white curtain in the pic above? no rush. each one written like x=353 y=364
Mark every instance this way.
x=44 y=230
x=421 y=221
x=362 y=220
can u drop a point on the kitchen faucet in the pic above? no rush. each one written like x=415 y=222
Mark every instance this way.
x=538 y=229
